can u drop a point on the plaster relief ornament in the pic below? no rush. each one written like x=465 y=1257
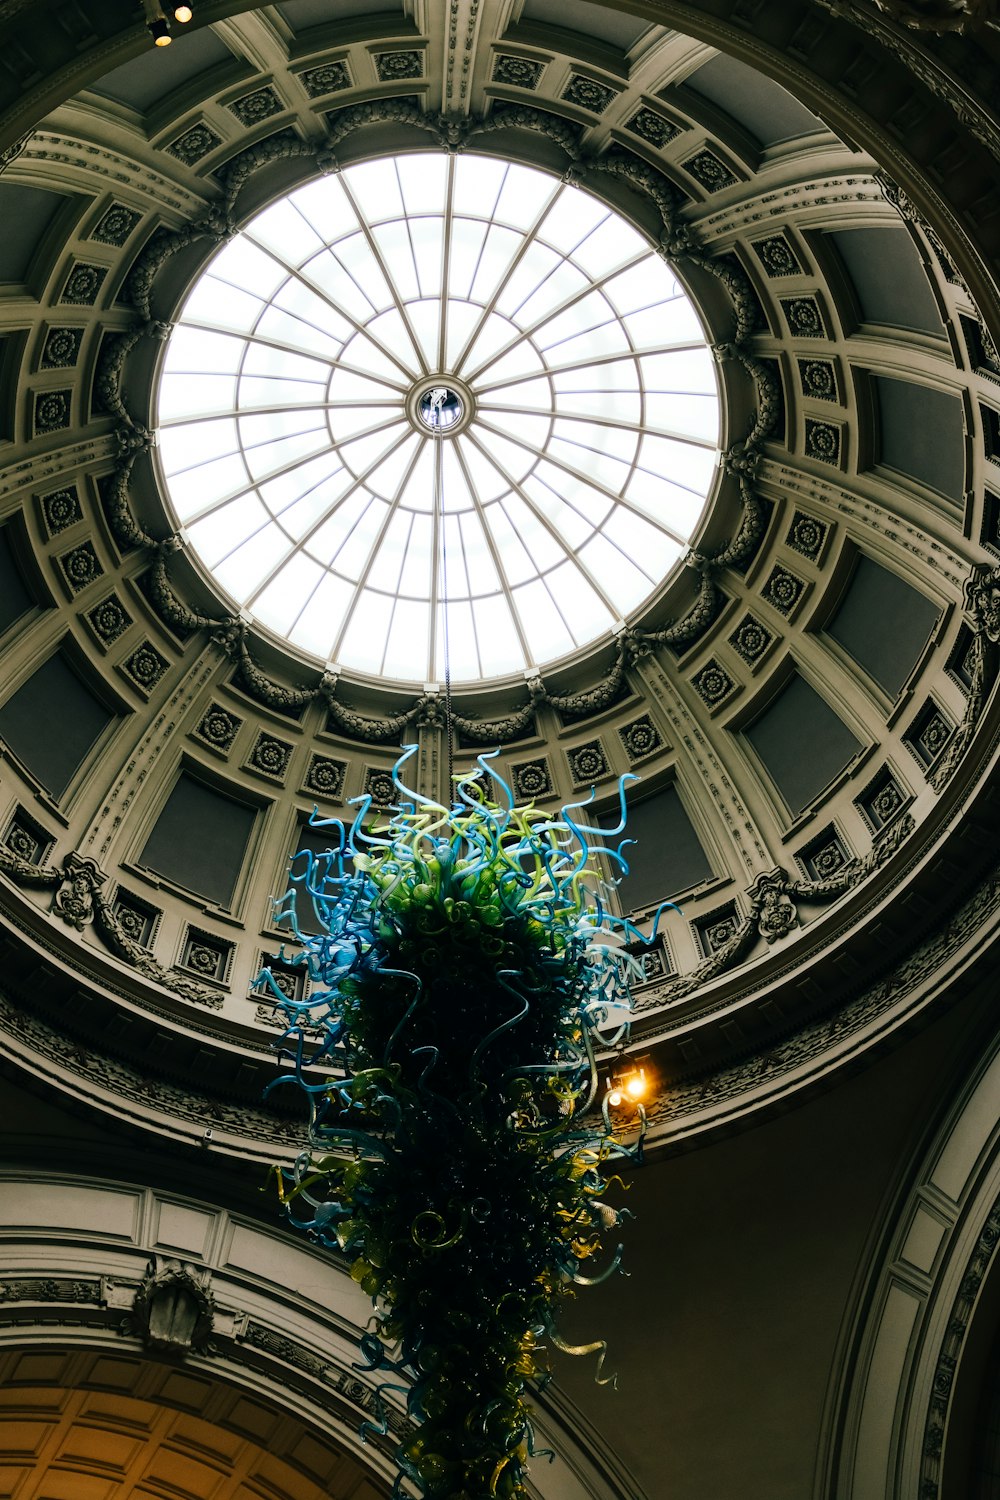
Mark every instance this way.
x=173 y=1308
x=464 y=977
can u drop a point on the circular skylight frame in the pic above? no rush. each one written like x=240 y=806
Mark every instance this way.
x=595 y=463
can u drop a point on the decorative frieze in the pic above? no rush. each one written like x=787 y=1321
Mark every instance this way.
x=115 y=225
x=777 y=256
x=392 y=66
x=818 y=379
x=219 y=727
x=328 y=78
x=61 y=349
x=588 y=763
x=652 y=127
x=138 y=920
x=929 y=733
x=325 y=777
x=52 y=411
x=882 y=800
x=823 y=441
x=379 y=786
x=259 y=105
x=716 y=928
x=26 y=839
x=640 y=738
x=806 y=535
x=588 y=93
x=532 y=779
x=710 y=171
x=83 y=283
x=517 y=72
x=751 y=639
x=81 y=566
x=824 y=855
x=713 y=683
x=108 y=620
x=782 y=590
x=206 y=955
x=61 y=509
x=144 y=666
x=194 y=144
x=804 y=318
x=269 y=756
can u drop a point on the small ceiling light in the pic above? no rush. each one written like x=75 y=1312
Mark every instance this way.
x=156 y=23
x=183 y=13
x=627 y=1085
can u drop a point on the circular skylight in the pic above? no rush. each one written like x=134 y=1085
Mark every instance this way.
x=432 y=382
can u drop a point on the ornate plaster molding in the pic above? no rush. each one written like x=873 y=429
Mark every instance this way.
x=678 y=242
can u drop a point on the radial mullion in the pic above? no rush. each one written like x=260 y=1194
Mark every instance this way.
x=468 y=585
x=311 y=531
x=266 y=342
x=612 y=422
x=362 y=583
x=390 y=282
x=395 y=600
x=436 y=535
x=313 y=286
x=490 y=305
x=449 y=219
x=592 y=361
x=532 y=328
x=553 y=531
x=494 y=552
x=602 y=489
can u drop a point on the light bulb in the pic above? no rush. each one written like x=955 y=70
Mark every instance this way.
x=615 y=1098
x=183 y=13
x=635 y=1086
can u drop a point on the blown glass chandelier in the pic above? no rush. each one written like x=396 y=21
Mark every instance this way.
x=465 y=971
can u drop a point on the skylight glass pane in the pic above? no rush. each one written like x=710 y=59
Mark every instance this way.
x=366 y=431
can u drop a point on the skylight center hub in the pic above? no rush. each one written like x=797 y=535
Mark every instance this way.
x=440 y=407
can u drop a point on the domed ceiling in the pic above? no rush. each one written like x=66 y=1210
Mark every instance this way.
x=334 y=329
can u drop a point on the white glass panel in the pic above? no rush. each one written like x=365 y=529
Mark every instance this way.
x=194 y=350
x=198 y=487
x=612 y=244
x=216 y=535
x=467 y=237
x=620 y=579
x=581 y=394
x=499 y=647
x=246 y=265
x=407 y=646
x=196 y=443
x=325 y=205
x=283 y=229
x=523 y=196
x=461 y=642
x=195 y=396
x=249 y=564
x=396 y=249
x=374 y=186
x=542 y=624
x=364 y=639
x=416 y=576
x=319 y=623
x=571 y=218
x=579 y=604
x=478 y=181
x=424 y=181
x=222 y=305
x=281 y=601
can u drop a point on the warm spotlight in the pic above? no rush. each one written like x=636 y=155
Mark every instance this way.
x=627 y=1085
x=183 y=13
x=160 y=32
